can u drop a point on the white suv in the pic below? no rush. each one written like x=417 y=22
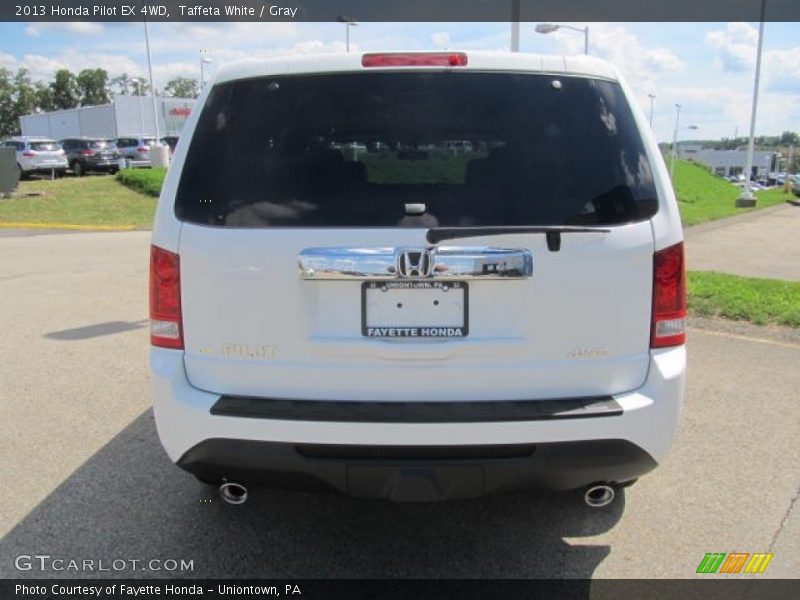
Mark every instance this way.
x=37 y=155
x=416 y=323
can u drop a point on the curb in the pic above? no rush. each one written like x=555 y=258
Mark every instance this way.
x=69 y=226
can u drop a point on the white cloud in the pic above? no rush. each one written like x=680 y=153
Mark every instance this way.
x=735 y=46
x=782 y=70
x=441 y=38
x=76 y=27
x=44 y=67
x=638 y=63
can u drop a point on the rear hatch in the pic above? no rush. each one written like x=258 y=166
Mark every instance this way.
x=309 y=204
x=103 y=151
x=46 y=153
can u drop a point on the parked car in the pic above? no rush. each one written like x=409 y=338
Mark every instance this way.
x=37 y=155
x=135 y=150
x=87 y=154
x=405 y=329
x=171 y=141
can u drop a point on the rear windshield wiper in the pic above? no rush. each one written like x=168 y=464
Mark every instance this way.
x=552 y=232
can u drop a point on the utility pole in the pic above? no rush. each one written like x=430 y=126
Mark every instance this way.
x=515 y=25
x=652 y=97
x=674 y=143
x=747 y=198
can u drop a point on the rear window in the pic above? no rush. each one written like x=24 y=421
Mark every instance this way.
x=102 y=145
x=44 y=146
x=352 y=150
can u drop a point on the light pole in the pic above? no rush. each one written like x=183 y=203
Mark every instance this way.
x=152 y=82
x=203 y=62
x=675 y=142
x=652 y=97
x=551 y=27
x=348 y=23
x=515 y=25
x=747 y=198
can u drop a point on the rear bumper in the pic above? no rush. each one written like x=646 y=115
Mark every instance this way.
x=104 y=164
x=431 y=459
x=45 y=168
x=415 y=473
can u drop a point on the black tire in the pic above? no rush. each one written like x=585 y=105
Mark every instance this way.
x=77 y=169
x=22 y=175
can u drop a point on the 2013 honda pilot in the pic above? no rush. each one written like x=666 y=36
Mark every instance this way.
x=418 y=276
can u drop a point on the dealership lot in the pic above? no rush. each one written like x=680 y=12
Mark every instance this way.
x=87 y=478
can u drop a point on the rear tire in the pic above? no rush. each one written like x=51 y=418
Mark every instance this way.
x=22 y=175
x=77 y=169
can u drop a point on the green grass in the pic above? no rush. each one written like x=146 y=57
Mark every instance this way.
x=91 y=200
x=146 y=181
x=705 y=197
x=440 y=167
x=760 y=301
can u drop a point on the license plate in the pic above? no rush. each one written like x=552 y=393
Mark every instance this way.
x=429 y=309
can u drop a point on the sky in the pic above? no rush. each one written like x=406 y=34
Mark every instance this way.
x=706 y=67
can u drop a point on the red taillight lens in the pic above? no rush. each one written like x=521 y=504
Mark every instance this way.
x=415 y=59
x=87 y=152
x=166 y=327
x=143 y=149
x=28 y=153
x=669 y=298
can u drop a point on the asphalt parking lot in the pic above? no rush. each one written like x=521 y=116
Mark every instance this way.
x=84 y=476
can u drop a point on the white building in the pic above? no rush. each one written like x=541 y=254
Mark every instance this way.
x=125 y=116
x=732 y=162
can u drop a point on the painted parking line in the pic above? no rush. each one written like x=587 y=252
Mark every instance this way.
x=746 y=338
x=10 y=225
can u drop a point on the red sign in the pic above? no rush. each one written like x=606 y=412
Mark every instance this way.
x=180 y=112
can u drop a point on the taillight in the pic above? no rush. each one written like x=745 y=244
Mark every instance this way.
x=143 y=149
x=415 y=59
x=87 y=152
x=29 y=154
x=669 y=298
x=166 y=327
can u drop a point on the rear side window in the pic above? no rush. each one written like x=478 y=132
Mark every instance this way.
x=351 y=150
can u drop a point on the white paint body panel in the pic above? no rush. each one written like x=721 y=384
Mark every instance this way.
x=650 y=417
x=579 y=326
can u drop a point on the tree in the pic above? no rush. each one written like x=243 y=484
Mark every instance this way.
x=44 y=97
x=92 y=87
x=8 y=120
x=24 y=94
x=789 y=137
x=122 y=83
x=181 y=87
x=65 y=90
x=139 y=86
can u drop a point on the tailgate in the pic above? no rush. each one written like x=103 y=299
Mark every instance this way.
x=577 y=326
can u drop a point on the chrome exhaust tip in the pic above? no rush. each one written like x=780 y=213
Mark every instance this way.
x=599 y=495
x=233 y=493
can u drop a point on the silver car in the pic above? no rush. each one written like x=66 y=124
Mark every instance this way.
x=37 y=155
x=135 y=150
